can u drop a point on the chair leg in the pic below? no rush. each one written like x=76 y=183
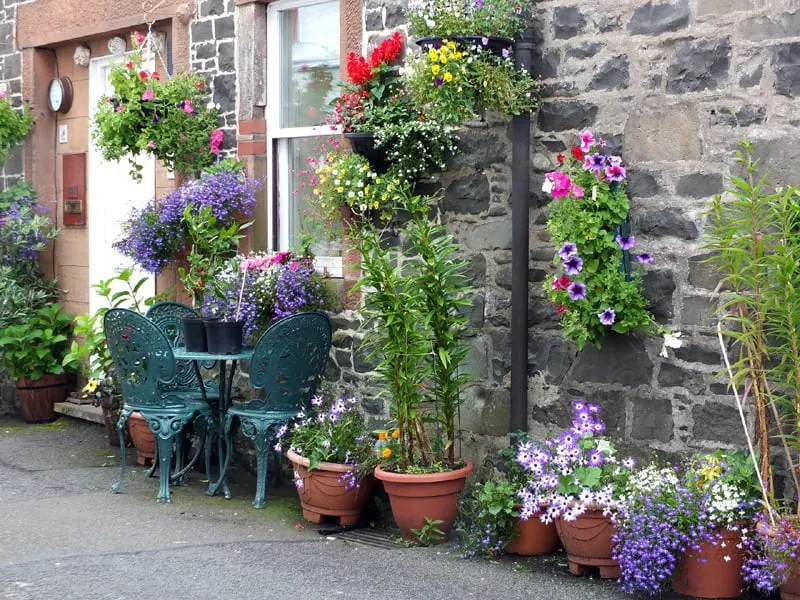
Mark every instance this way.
x=152 y=470
x=209 y=439
x=261 y=440
x=165 y=459
x=180 y=438
x=123 y=458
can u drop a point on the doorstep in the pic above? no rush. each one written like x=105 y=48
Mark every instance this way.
x=85 y=412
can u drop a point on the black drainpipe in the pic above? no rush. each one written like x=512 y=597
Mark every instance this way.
x=520 y=192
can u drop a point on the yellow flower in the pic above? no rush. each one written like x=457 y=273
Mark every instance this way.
x=396 y=434
x=443 y=59
x=435 y=69
x=433 y=55
x=91 y=386
x=451 y=45
x=458 y=55
x=382 y=435
x=386 y=452
x=340 y=189
x=448 y=77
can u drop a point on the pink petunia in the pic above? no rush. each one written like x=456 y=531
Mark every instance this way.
x=560 y=183
x=576 y=190
x=148 y=95
x=151 y=144
x=139 y=37
x=120 y=108
x=187 y=107
x=587 y=140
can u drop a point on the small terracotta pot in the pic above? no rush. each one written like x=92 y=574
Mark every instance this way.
x=323 y=494
x=587 y=541
x=431 y=495
x=715 y=577
x=143 y=438
x=790 y=590
x=534 y=538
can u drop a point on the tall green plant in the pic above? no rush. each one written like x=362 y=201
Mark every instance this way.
x=754 y=236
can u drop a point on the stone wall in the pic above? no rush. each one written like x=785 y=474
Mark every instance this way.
x=673 y=86
x=212 y=48
x=11 y=78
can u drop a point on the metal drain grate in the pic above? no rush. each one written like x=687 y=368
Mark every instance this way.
x=368 y=536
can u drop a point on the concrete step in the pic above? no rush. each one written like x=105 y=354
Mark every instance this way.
x=85 y=412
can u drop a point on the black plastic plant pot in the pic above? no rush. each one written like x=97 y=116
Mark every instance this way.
x=363 y=143
x=224 y=337
x=495 y=45
x=194 y=334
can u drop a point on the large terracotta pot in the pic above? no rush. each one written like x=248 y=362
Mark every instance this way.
x=790 y=590
x=706 y=573
x=416 y=497
x=534 y=538
x=37 y=398
x=143 y=438
x=322 y=492
x=587 y=541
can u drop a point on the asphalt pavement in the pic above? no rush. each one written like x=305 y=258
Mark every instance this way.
x=64 y=536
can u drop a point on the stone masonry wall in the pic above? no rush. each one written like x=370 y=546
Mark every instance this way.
x=673 y=86
x=213 y=55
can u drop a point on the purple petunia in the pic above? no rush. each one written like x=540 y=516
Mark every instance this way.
x=506 y=52
x=576 y=290
x=644 y=258
x=626 y=242
x=615 y=173
x=595 y=162
x=608 y=316
x=567 y=250
x=573 y=265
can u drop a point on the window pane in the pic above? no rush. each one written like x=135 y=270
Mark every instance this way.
x=309 y=56
x=295 y=194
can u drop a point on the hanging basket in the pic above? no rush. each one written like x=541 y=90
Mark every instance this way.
x=495 y=45
x=363 y=143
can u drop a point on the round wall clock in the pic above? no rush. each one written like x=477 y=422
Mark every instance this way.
x=59 y=94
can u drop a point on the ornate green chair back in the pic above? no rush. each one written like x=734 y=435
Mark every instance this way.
x=288 y=362
x=167 y=317
x=142 y=355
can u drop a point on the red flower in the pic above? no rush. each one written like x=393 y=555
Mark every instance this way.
x=561 y=283
x=388 y=51
x=129 y=65
x=143 y=75
x=200 y=85
x=155 y=75
x=358 y=69
x=560 y=158
x=561 y=309
x=577 y=153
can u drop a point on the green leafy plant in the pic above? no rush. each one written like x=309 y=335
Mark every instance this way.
x=498 y=18
x=167 y=117
x=15 y=125
x=429 y=533
x=593 y=291
x=36 y=347
x=488 y=517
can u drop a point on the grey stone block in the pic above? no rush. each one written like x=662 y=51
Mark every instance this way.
x=226 y=60
x=644 y=133
x=622 y=360
x=205 y=51
x=545 y=63
x=717 y=422
x=493 y=235
x=642 y=184
x=373 y=20
x=561 y=116
x=202 y=31
x=567 y=22
x=613 y=75
x=752 y=79
x=652 y=419
x=225 y=92
x=467 y=195
x=224 y=27
x=770 y=27
x=698 y=310
x=699 y=65
x=652 y=19
x=672 y=375
x=584 y=50
x=550 y=355
x=659 y=286
x=699 y=354
x=786 y=63
x=479 y=149
x=703 y=274
x=699 y=185
x=743 y=116
x=212 y=8
x=666 y=222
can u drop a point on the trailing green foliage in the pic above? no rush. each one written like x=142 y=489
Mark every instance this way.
x=15 y=124
x=488 y=518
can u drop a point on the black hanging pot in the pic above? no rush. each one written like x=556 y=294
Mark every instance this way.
x=495 y=45
x=194 y=334
x=363 y=143
x=224 y=337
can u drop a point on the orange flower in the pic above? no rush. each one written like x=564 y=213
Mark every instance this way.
x=382 y=435
x=386 y=452
x=396 y=433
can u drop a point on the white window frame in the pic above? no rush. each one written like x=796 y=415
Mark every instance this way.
x=278 y=166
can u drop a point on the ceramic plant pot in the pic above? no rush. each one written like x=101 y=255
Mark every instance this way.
x=706 y=574
x=143 y=438
x=587 y=541
x=416 y=497
x=37 y=398
x=323 y=493
x=534 y=538
x=194 y=334
x=224 y=337
x=790 y=590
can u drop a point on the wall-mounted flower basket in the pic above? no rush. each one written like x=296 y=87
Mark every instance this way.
x=499 y=46
x=363 y=143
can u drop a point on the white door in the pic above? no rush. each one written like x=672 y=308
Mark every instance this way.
x=112 y=192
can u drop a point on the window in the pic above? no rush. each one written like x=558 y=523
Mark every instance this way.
x=302 y=78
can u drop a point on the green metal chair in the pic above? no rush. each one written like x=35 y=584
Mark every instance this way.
x=147 y=371
x=287 y=364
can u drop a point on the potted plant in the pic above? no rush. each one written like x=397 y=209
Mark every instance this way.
x=165 y=116
x=576 y=480
x=417 y=339
x=686 y=525
x=32 y=353
x=773 y=555
x=380 y=119
x=332 y=453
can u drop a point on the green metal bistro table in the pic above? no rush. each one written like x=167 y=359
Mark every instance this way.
x=225 y=386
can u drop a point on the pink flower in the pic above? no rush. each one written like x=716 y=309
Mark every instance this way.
x=3 y=94
x=151 y=144
x=187 y=107
x=138 y=37
x=280 y=257
x=216 y=140
x=148 y=95
x=294 y=265
x=587 y=140
x=120 y=108
x=560 y=182
x=577 y=191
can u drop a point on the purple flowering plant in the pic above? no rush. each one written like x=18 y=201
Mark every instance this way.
x=574 y=472
x=331 y=430
x=591 y=290
x=669 y=510
x=773 y=551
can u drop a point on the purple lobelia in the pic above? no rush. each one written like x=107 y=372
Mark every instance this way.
x=772 y=552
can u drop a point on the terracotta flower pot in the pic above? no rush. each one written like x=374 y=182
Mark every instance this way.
x=587 y=541
x=706 y=573
x=790 y=590
x=143 y=438
x=534 y=538
x=415 y=497
x=323 y=494
x=37 y=398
